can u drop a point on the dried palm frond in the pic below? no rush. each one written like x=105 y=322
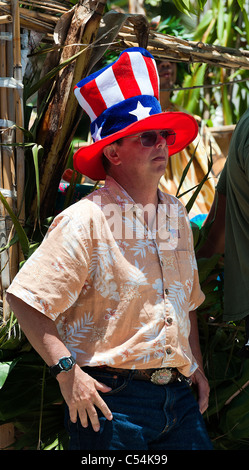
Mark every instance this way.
x=42 y=16
x=180 y=50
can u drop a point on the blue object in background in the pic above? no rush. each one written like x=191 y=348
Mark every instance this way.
x=199 y=219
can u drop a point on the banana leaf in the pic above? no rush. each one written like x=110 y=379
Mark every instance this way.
x=235 y=422
x=53 y=435
x=22 y=237
x=23 y=387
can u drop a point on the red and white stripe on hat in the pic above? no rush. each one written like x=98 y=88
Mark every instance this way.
x=133 y=74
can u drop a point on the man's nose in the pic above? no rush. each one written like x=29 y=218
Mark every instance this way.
x=161 y=141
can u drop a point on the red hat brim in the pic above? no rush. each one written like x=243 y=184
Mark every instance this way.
x=87 y=160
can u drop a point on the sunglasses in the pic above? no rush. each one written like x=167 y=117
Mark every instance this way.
x=149 y=138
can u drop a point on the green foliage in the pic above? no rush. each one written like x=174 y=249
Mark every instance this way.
x=227 y=417
x=30 y=398
x=225 y=24
x=173 y=26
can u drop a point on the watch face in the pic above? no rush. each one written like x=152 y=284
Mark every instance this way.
x=66 y=363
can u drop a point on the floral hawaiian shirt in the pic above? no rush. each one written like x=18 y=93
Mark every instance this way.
x=119 y=290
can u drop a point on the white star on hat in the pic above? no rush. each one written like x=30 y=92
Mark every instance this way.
x=97 y=133
x=141 y=111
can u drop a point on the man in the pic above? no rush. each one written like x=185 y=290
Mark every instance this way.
x=229 y=231
x=105 y=299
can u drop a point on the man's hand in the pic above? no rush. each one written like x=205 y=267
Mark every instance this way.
x=200 y=380
x=78 y=388
x=80 y=392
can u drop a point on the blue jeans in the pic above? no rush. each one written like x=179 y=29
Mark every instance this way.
x=145 y=417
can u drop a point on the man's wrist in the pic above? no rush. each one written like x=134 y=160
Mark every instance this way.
x=65 y=364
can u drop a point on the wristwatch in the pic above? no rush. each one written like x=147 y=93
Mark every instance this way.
x=64 y=364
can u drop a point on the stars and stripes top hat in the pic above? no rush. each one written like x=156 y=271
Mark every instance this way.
x=123 y=99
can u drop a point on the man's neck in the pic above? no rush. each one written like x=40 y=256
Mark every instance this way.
x=142 y=194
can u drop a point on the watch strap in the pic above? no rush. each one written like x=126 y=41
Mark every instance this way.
x=60 y=367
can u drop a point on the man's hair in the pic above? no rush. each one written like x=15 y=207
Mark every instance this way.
x=105 y=162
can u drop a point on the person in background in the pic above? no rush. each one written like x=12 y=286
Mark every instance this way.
x=108 y=299
x=200 y=147
x=229 y=232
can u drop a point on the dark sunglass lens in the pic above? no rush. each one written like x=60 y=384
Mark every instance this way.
x=169 y=136
x=148 y=139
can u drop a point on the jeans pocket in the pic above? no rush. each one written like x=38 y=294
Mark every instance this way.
x=115 y=381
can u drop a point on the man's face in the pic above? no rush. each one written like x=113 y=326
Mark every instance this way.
x=144 y=162
x=167 y=74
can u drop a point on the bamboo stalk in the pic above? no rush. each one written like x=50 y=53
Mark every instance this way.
x=14 y=250
x=56 y=128
x=17 y=73
x=9 y=71
x=5 y=19
x=39 y=16
x=37 y=3
x=34 y=20
x=36 y=25
x=2 y=98
x=49 y=6
x=5 y=183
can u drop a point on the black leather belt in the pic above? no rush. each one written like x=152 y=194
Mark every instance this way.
x=157 y=376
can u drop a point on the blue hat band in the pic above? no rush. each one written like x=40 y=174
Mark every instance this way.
x=123 y=114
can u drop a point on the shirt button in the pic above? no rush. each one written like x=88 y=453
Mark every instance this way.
x=166 y=291
x=138 y=211
x=169 y=321
x=168 y=351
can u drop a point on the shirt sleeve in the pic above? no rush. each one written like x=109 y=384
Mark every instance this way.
x=51 y=279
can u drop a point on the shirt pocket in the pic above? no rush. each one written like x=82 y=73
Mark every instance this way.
x=185 y=267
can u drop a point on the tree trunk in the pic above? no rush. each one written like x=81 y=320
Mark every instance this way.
x=58 y=124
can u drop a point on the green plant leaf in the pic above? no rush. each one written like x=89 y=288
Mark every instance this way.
x=24 y=388
x=5 y=369
x=23 y=239
x=206 y=266
x=202 y=3
x=37 y=151
x=184 y=173
x=242 y=4
x=181 y=6
x=53 y=73
x=220 y=22
x=246 y=20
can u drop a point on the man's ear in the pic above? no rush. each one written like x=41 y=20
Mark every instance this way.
x=110 y=151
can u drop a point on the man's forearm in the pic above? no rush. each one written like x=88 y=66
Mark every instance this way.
x=79 y=390
x=39 y=330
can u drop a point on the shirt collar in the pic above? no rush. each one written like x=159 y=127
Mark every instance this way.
x=167 y=217
x=119 y=194
x=123 y=199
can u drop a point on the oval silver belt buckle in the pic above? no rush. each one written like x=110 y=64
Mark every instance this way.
x=161 y=376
